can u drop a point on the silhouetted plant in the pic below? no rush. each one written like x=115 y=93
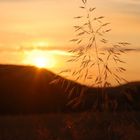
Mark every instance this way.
x=97 y=60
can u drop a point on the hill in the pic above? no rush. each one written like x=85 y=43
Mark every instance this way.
x=27 y=89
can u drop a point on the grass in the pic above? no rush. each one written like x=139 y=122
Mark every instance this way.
x=95 y=60
x=71 y=126
x=94 y=52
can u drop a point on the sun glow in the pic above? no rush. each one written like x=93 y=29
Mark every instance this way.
x=40 y=44
x=40 y=62
x=40 y=59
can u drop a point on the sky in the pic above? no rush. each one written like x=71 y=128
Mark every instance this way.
x=26 y=21
x=27 y=24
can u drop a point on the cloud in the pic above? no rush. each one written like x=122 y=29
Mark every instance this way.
x=55 y=50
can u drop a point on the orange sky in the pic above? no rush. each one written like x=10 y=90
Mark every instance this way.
x=32 y=23
x=25 y=21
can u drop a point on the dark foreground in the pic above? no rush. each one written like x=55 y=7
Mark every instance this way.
x=27 y=90
x=80 y=126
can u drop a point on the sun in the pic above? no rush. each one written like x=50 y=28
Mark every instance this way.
x=40 y=59
x=40 y=62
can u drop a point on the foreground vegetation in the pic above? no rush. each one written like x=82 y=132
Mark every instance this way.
x=27 y=90
x=71 y=126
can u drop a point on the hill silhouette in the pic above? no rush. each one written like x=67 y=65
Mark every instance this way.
x=27 y=89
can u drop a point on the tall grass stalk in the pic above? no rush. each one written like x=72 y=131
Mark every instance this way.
x=99 y=60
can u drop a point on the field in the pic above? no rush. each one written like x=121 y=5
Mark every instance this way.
x=71 y=126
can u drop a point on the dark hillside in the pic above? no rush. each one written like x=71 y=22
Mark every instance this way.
x=27 y=89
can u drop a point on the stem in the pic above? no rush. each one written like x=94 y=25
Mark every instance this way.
x=97 y=56
x=100 y=100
